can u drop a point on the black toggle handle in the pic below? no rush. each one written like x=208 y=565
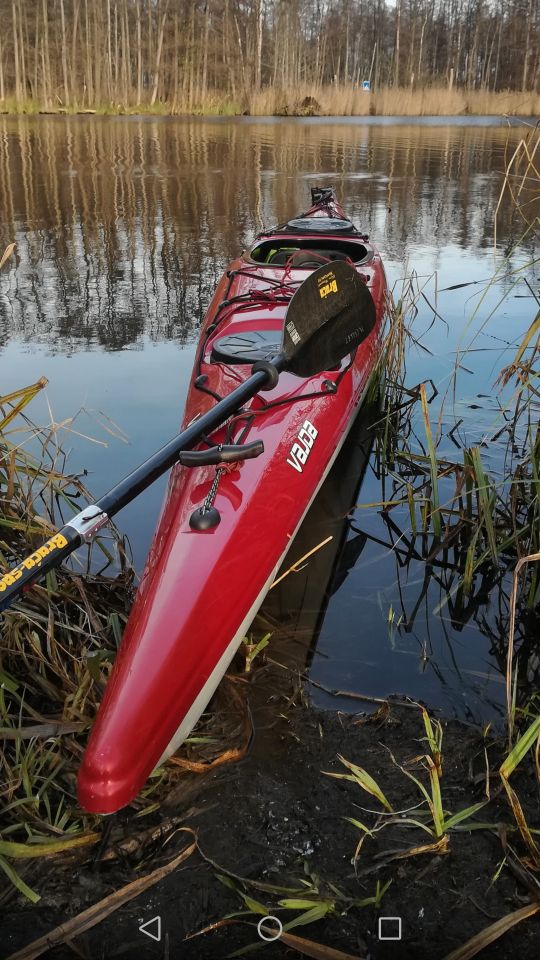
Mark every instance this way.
x=224 y=453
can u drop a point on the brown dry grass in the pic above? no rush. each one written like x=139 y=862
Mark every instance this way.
x=331 y=100
x=57 y=645
x=335 y=100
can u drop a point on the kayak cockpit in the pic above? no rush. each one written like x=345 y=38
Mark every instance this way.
x=307 y=253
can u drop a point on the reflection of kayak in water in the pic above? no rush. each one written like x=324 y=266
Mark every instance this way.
x=296 y=607
x=226 y=526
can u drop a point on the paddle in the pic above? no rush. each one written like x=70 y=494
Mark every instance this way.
x=328 y=316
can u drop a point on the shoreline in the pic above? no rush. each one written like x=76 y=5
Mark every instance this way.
x=281 y=835
x=457 y=119
x=307 y=101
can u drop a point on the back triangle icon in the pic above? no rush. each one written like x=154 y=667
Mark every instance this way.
x=156 y=933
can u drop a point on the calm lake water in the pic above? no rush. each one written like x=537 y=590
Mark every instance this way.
x=123 y=227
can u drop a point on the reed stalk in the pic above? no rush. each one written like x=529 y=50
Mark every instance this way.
x=487 y=522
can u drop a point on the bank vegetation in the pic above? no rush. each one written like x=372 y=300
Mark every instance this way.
x=270 y=56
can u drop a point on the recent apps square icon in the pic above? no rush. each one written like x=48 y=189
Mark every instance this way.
x=389 y=928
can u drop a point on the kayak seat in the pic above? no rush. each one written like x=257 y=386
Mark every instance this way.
x=246 y=347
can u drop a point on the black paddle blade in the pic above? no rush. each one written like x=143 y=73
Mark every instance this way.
x=328 y=317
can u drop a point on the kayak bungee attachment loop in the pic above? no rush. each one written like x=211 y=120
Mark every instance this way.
x=225 y=456
x=208 y=516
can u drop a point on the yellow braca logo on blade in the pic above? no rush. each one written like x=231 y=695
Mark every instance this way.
x=327 y=285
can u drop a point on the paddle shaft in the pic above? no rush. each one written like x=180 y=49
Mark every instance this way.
x=86 y=524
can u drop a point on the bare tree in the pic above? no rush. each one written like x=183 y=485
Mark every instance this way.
x=136 y=52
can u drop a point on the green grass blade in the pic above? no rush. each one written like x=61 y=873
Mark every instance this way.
x=485 y=502
x=435 y=501
x=364 y=780
x=522 y=746
x=462 y=815
x=18 y=882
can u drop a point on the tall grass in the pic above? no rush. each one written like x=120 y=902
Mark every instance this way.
x=463 y=516
x=58 y=643
x=339 y=100
x=314 y=100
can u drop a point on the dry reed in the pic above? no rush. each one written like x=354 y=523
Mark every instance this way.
x=475 y=523
x=339 y=100
x=58 y=644
x=459 y=513
x=312 y=100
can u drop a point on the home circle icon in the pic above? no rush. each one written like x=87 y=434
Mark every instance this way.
x=270 y=928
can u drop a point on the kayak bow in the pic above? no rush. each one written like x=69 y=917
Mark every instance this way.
x=234 y=503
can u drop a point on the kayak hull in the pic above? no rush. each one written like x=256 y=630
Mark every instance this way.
x=201 y=588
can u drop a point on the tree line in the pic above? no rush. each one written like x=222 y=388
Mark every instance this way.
x=84 y=53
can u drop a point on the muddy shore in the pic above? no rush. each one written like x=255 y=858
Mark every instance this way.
x=276 y=818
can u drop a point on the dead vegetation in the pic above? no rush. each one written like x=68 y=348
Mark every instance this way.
x=350 y=100
x=58 y=644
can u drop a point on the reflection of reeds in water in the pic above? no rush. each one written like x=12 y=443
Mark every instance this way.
x=124 y=225
x=521 y=181
x=477 y=523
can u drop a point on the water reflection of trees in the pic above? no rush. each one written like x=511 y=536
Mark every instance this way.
x=123 y=225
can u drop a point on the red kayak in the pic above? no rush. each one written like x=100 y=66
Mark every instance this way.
x=227 y=523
